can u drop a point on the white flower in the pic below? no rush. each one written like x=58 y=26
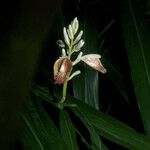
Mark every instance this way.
x=64 y=65
x=63 y=52
x=77 y=39
x=62 y=70
x=93 y=60
x=74 y=74
x=66 y=38
x=75 y=25
x=70 y=32
x=60 y=43
x=78 y=46
x=78 y=59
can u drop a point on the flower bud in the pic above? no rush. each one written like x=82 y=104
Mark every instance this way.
x=66 y=38
x=74 y=74
x=93 y=60
x=75 y=25
x=60 y=43
x=78 y=59
x=70 y=32
x=63 y=52
x=62 y=70
x=78 y=46
x=78 y=38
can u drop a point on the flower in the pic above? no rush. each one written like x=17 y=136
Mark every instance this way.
x=78 y=46
x=66 y=36
x=62 y=70
x=78 y=38
x=60 y=43
x=73 y=43
x=93 y=60
x=75 y=25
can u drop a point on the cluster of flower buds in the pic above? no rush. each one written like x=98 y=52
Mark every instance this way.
x=73 y=43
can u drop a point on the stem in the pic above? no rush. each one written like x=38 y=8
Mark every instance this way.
x=65 y=84
x=64 y=92
x=70 y=49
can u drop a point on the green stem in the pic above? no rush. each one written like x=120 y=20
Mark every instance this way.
x=64 y=92
x=65 y=84
x=70 y=49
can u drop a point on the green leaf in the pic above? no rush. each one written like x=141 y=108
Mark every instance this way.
x=137 y=42
x=83 y=139
x=148 y=4
x=88 y=88
x=113 y=75
x=67 y=131
x=108 y=127
x=107 y=27
x=111 y=128
x=42 y=91
x=29 y=140
x=95 y=138
x=77 y=4
x=39 y=132
x=96 y=143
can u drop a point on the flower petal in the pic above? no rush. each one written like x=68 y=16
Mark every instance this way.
x=62 y=70
x=60 y=43
x=63 y=52
x=70 y=32
x=75 y=25
x=66 y=38
x=74 y=74
x=78 y=46
x=93 y=61
x=78 y=38
x=91 y=56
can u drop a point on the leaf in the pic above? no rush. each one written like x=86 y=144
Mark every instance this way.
x=113 y=75
x=137 y=42
x=148 y=4
x=77 y=4
x=82 y=137
x=39 y=132
x=110 y=128
x=42 y=91
x=88 y=90
x=107 y=27
x=67 y=131
x=95 y=138
x=29 y=140
x=44 y=94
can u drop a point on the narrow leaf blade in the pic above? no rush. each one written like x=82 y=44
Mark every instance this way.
x=114 y=75
x=40 y=129
x=67 y=131
x=88 y=88
x=95 y=138
x=108 y=127
x=112 y=129
x=137 y=39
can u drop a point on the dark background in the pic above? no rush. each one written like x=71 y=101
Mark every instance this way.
x=28 y=34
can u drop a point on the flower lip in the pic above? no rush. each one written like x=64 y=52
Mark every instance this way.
x=93 y=60
x=62 y=70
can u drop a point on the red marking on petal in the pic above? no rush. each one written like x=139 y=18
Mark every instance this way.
x=59 y=78
x=95 y=63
